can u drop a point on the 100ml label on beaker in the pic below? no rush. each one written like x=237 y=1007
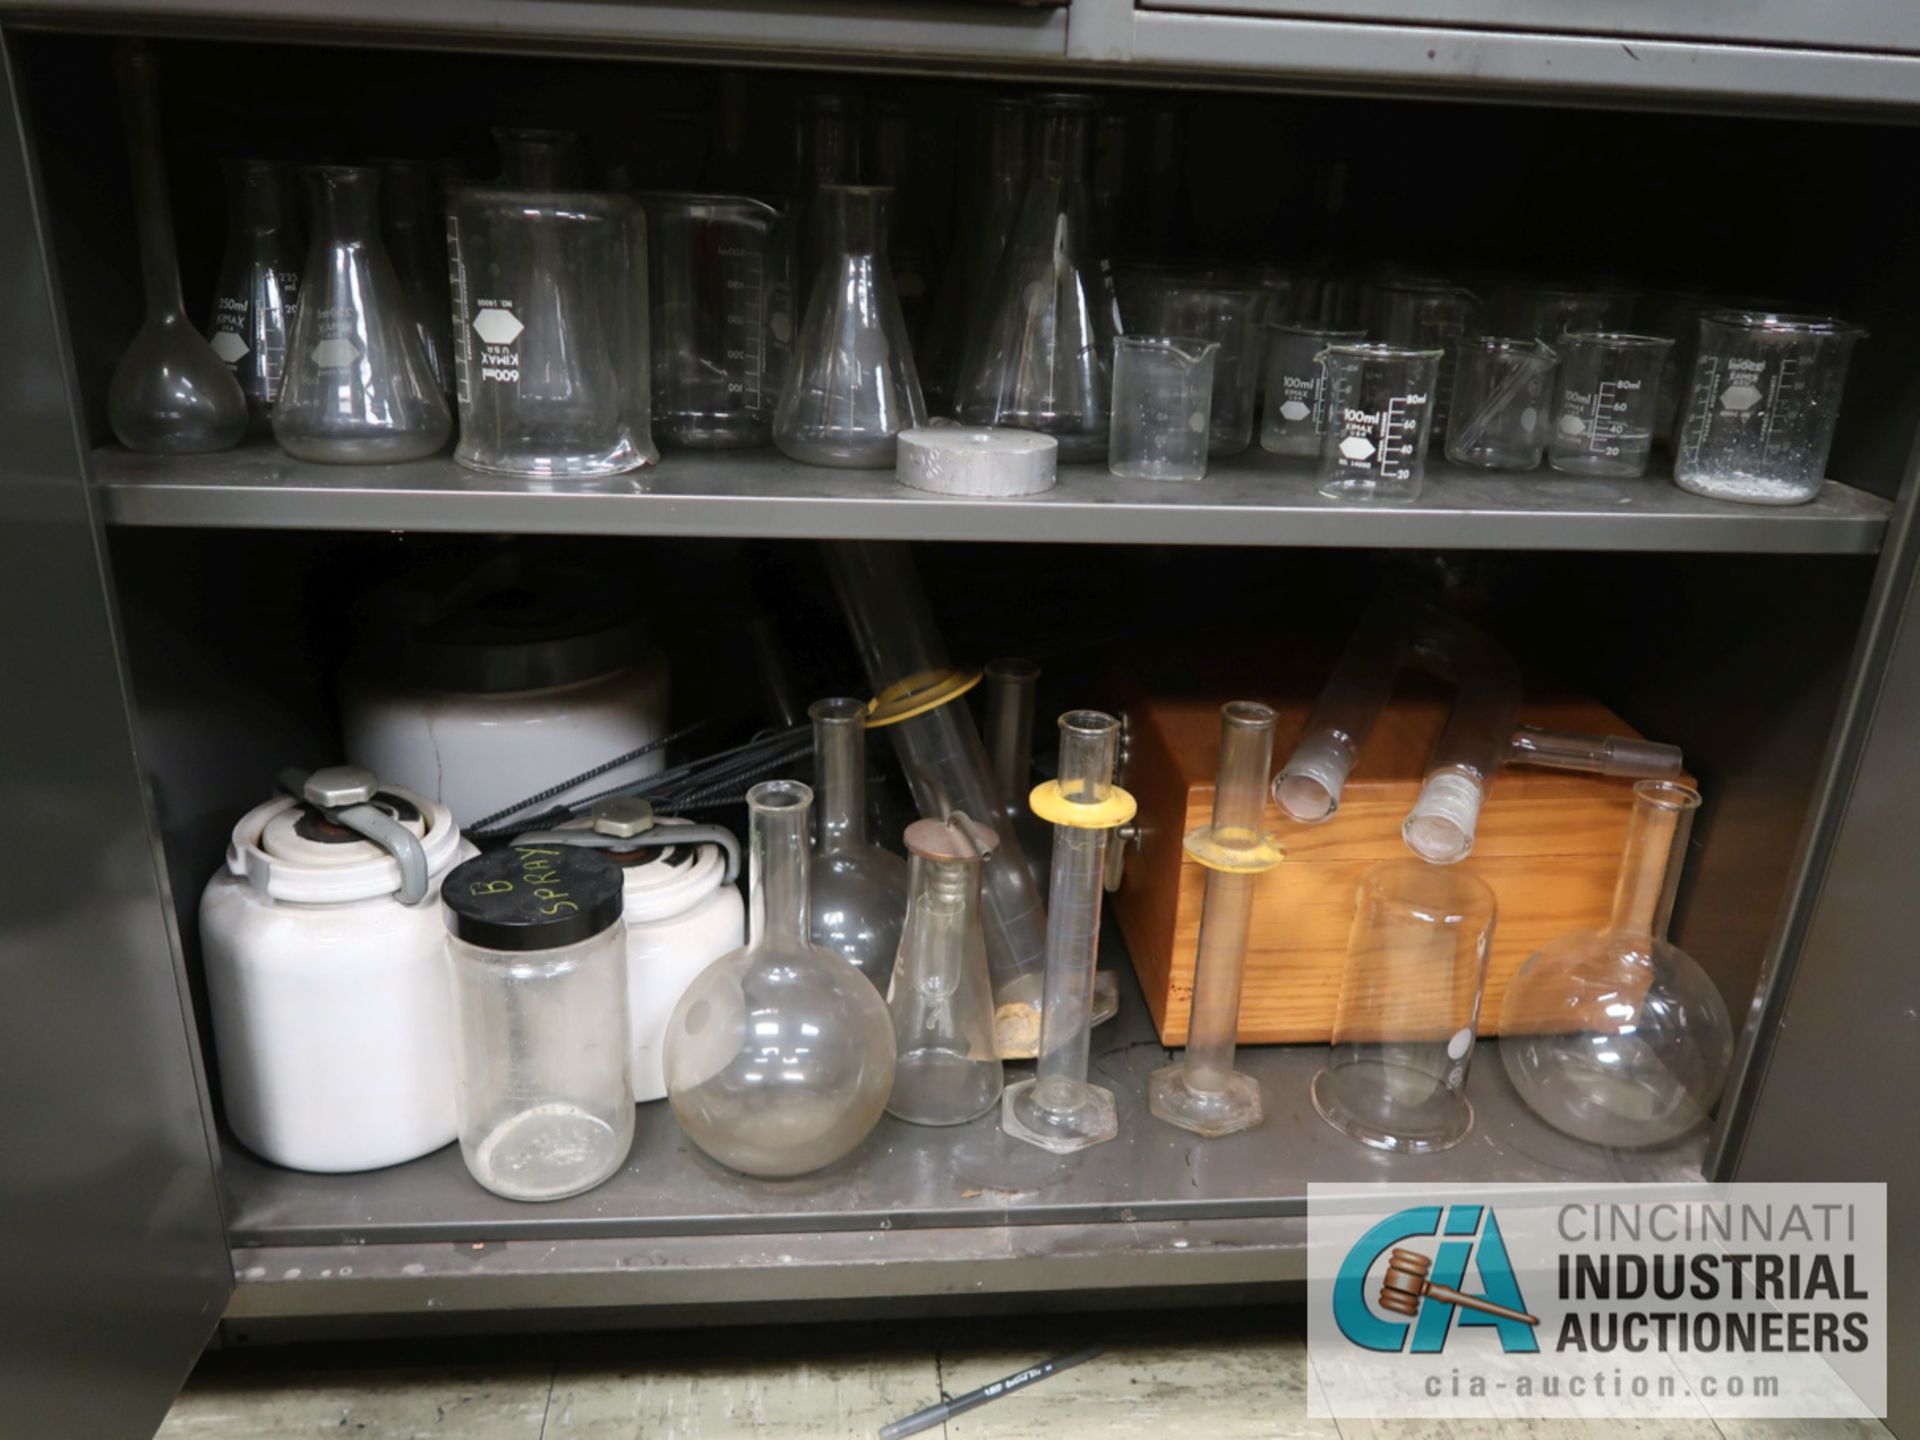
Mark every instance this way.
x=1380 y=442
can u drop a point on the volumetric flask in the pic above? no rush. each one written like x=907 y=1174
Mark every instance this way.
x=1379 y=404
x=1295 y=415
x=1409 y=1008
x=1547 y=312
x=255 y=299
x=1158 y=301
x=1502 y=398
x=1606 y=402
x=552 y=350
x=1760 y=408
x=720 y=285
x=1426 y=315
x=1161 y=392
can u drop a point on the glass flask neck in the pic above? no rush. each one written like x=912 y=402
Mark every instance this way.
x=856 y=217
x=1655 y=854
x=409 y=193
x=839 y=754
x=536 y=159
x=941 y=896
x=829 y=144
x=1006 y=143
x=256 y=197
x=345 y=200
x=159 y=264
x=1060 y=130
x=777 y=882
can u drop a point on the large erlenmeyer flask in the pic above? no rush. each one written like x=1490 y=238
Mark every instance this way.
x=254 y=300
x=359 y=390
x=1045 y=359
x=851 y=386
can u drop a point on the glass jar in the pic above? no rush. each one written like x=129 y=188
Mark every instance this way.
x=541 y=1055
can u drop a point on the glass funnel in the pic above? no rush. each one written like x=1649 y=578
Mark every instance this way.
x=416 y=231
x=1044 y=360
x=1618 y=1037
x=779 y=1057
x=256 y=296
x=948 y=1071
x=851 y=386
x=359 y=390
x=859 y=891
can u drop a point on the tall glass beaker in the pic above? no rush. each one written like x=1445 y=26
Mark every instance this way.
x=257 y=295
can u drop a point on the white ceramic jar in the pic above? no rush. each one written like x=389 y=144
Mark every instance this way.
x=332 y=1012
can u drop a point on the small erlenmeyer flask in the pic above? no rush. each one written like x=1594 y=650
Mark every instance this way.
x=537 y=159
x=359 y=390
x=858 y=891
x=416 y=234
x=946 y=1071
x=256 y=297
x=1044 y=360
x=851 y=386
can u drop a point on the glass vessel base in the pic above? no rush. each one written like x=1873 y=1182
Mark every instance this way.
x=713 y=432
x=1747 y=489
x=1087 y=1119
x=943 y=1087
x=617 y=460
x=851 y=453
x=548 y=1153
x=1391 y=1107
x=1235 y=1106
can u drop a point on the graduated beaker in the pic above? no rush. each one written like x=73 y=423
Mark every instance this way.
x=1501 y=401
x=1426 y=315
x=1606 y=403
x=1546 y=312
x=1162 y=390
x=1160 y=300
x=1295 y=415
x=1379 y=408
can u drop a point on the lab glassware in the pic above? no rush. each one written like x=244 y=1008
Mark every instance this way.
x=779 y=1056
x=826 y=152
x=1547 y=312
x=551 y=355
x=533 y=159
x=1009 y=685
x=857 y=891
x=1409 y=1009
x=1502 y=402
x=1618 y=1037
x=541 y=1053
x=256 y=296
x=1606 y=402
x=1426 y=314
x=1158 y=300
x=947 y=1071
x=358 y=389
x=414 y=210
x=171 y=393
x=1201 y=1091
x=1044 y=360
x=720 y=283
x=851 y=386
x=1162 y=394
x=1379 y=412
x=1060 y=1109
x=1295 y=414
x=1761 y=405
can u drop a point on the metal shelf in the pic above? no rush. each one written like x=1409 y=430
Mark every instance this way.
x=1252 y=499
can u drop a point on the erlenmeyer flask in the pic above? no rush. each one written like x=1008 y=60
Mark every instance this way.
x=827 y=152
x=358 y=390
x=1044 y=360
x=171 y=392
x=992 y=200
x=851 y=386
x=910 y=247
x=255 y=299
x=859 y=891
x=416 y=234
x=537 y=159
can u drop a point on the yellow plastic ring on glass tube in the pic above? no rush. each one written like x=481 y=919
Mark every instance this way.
x=1249 y=855
x=1051 y=804
x=917 y=694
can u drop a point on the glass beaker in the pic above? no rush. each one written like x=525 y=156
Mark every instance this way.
x=1044 y=360
x=1409 y=1009
x=1502 y=389
x=720 y=283
x=1607 y=402
x=1426 y=315
x=1157 y=300
x=947 y=1071
x=1295 y=415
x=532 y=159
x=257 y=295
x=1546 y=312
x=552 y=352
x=851 y=386
x=1379 y=404
x=858 y=892
x=541 y=1051
x=1162 y=392
x=358 y=390
x=779 y=1057
x=1618 y=1037
x=1761 y=406
x=416 y=233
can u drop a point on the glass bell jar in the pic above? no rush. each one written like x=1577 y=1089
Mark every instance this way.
x=779 y=1057
x=1618 y=1037
x=858 y=892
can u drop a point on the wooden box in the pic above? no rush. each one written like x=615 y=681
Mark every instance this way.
x=1550 y=845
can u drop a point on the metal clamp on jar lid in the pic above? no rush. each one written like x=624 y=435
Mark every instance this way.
x=341 y=835
x=624 y=825
x=532 y=897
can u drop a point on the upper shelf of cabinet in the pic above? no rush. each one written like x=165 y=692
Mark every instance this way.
x=1252 y=499
x=1740 y=55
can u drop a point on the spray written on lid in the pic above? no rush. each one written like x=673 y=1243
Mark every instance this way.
x=532 y=897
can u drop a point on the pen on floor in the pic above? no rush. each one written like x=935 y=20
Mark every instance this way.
x=937 y=1414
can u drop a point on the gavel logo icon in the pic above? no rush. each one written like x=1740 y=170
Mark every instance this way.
x=1406 y=1283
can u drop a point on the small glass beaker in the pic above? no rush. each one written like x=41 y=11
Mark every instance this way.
x=1426 y=314
x=1379 y=408
x=1607 y=402
x=1158 y=300
x=1409 y=1009
x=1501 y=395
x=551 y=355
x=1162 y=389
x=1761 y=405
x=1295 y=414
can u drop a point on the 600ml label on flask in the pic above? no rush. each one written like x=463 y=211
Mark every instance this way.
x=497 y=328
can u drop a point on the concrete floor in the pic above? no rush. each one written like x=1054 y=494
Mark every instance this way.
x=1211 y=1375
